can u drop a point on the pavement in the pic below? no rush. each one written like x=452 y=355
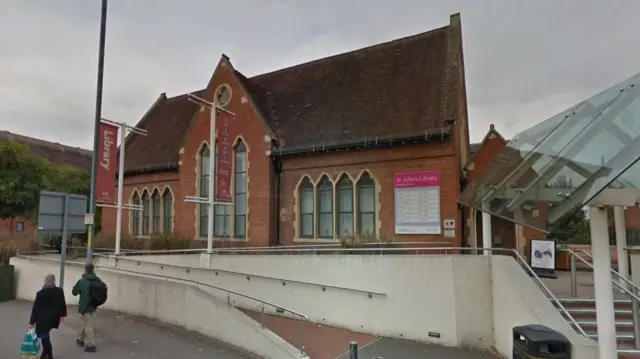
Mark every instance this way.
x=118 y=336
x=388 y=348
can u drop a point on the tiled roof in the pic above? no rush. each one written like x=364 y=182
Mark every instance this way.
x=399 y=89
x=53 y=151
x=166 y=122
x=389 y=90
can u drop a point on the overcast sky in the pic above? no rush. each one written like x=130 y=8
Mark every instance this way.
x=525 y=60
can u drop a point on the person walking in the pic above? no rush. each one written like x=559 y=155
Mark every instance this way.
x=87 y=289
x=48 y=311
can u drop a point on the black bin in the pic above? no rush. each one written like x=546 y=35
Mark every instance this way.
x=6 y=282
x=538 y=341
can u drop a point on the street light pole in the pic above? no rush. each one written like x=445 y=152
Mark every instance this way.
x=96 y=134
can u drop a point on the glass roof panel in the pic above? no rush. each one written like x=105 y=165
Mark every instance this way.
x=562 y=163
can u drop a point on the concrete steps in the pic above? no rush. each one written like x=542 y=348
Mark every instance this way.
x=583 y=311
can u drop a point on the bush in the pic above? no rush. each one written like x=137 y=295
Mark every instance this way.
x=10 y=246
x=365 y=238
x=171 y=241
x=159 y=241
x=108 y=241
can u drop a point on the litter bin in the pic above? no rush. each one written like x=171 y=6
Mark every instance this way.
x=6 y=282
x=538 y=341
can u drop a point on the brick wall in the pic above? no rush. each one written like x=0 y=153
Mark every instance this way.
x=140 y=183
x=381 y=164
x=10 y=227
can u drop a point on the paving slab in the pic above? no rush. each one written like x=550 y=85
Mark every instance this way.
x=118 y=337
x=388 y=348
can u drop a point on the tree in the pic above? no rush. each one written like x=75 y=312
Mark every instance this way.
x=23 y=176
x=573 y=227
x=66 y=178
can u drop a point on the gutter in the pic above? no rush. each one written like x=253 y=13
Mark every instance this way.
x=365 y=143
x=168 y=167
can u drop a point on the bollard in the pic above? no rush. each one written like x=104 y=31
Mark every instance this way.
x=353 y=350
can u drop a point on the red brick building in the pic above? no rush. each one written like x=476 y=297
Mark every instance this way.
x=506 y=234
x=316 y=149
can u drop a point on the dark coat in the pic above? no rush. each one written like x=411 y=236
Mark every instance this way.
x=83 y=289
x=48 y=308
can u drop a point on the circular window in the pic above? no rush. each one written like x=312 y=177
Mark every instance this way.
x=223 y=95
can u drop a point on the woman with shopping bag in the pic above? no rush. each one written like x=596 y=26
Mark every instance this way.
x=49 y=310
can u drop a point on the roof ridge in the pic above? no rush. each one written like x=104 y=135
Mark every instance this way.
x=179 y=97
x=18 y=136
x=351 y=52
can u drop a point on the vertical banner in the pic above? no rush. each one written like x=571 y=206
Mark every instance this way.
x=224 y=128
x=417 y=202
x=106 y=175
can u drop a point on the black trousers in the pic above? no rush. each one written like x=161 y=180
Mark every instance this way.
x=47 y=350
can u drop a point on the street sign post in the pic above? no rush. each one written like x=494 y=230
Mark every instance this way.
x=62 y=214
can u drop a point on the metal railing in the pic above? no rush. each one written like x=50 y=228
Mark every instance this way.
x=301 y=317
x=446 y=250
x=234 y=250
x=216 y=271
x=628 y=288
x=417 y=250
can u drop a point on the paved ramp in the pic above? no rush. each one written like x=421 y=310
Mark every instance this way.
x=387 y=348
x=118 y=337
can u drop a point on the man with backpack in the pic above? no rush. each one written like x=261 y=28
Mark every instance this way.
x=93 y=293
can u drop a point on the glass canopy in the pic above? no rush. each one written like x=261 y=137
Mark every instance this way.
x=561 y=164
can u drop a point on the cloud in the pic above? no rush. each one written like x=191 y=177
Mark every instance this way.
x=525 y=61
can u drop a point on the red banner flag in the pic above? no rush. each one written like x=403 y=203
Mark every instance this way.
x=224 y=124
x=107 y=149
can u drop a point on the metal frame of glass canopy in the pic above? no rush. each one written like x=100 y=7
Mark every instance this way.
x=582 y=156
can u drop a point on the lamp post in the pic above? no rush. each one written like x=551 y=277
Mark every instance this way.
x=96 y=134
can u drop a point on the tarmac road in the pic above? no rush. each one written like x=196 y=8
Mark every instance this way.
x=118 y=336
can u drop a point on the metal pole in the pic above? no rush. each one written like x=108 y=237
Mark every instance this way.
x=636 y=319
x=65 y=234
x=486 y=232
x=621 y=244
x=123 y=136
x=353 y=350
x=302 y=337
x=212 y=176
x=96 y=132
x=574 y=276
x=603 y=283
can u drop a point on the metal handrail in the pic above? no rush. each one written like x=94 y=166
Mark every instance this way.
x=634 y=296
x=630 y=283
x=369 y=293
x=549 y=293
x=249 y=249
x=303 y=318
x=635 y=300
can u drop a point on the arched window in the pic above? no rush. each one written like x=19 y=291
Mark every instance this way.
x=167 y=204
x=135 y=215
x=222 y=213
x=203 y=190
x=306 y=209
x=145 y=213
x=345 y=207
x=155 y=212
x=366 y=205
x=325 y=208
x=240 y=191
